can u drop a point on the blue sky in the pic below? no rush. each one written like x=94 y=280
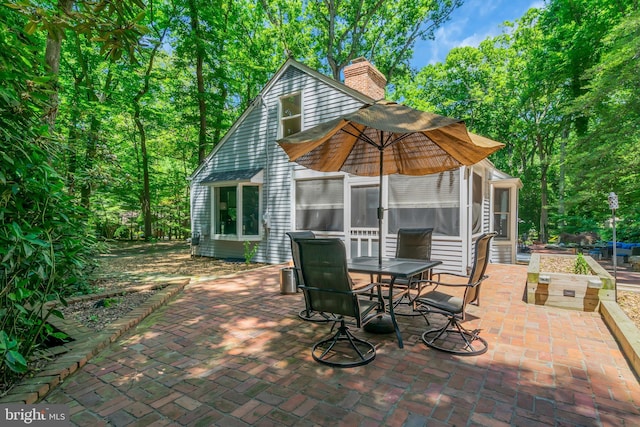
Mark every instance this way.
x=470 y=24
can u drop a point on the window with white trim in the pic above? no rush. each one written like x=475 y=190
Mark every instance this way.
x=320 y=204
x=425 y=201
x=236 y=210
x=501 y=212
x=290 y=114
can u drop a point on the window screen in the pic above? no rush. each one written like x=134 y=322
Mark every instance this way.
x=425 y=201
x=320 y=205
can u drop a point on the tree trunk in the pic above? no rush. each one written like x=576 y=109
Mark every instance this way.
x=544 y=207
x=217 y=134
x=561 y=179
x=202 y=106
x=544 y=191
x=89 y=158
x=52 y=60
x=145 y=197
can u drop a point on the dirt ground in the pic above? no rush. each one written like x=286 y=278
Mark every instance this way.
x=137 y=262
x=130 y=264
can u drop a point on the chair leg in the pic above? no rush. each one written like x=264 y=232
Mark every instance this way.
x=358 y=352
x=454 y=338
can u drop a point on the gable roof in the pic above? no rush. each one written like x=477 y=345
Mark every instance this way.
x=258 y=100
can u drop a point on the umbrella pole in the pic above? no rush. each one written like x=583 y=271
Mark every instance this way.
x=380 y=210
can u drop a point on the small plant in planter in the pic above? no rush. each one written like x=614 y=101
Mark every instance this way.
x=581 y=265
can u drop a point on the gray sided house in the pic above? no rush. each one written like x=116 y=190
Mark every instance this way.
x=247 y=190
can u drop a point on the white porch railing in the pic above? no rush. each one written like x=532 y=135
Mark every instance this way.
x=363 y=242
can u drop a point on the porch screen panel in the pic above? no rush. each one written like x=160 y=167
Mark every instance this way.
x=425 y=201
x=320 y=205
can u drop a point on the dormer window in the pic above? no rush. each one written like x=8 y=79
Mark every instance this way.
x=290 y=114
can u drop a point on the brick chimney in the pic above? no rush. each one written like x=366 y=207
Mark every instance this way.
x=362 y=76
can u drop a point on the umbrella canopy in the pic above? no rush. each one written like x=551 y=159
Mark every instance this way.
x=388 y=138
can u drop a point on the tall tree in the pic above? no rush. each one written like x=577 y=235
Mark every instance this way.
x=573 y=39
x=115 y=26
x=607 y=157
x=160 y=30
x=340 y=30
x=198 y=38
x=502 y=90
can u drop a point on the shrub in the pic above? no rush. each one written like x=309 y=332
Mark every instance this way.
x=44 y=246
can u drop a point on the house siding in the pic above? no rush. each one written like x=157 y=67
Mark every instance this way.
x=252 y=145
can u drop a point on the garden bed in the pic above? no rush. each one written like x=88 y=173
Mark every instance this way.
x=551 y=281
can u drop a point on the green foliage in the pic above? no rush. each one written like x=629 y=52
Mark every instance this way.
x=607 y=157
x=110 y=302
x=249 y=251
x=557 y=88
x=44 y=246
x=581 y=266
x=9 y=354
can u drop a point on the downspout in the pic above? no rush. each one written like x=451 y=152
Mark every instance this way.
x=266 y=216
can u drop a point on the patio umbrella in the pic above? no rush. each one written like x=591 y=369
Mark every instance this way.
x=388 y=138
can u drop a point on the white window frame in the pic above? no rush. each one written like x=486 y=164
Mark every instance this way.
x=239 y=185
x=508 y=212
x=282 y=119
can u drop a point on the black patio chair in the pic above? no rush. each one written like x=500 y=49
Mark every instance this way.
x=413 y=243
x=323 y=264
x=453 y=337
x=307 y=313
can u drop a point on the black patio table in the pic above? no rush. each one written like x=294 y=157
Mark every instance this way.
x=395 y=268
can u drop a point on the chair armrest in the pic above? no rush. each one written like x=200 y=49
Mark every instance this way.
x=365 y=288
x=464 y=276
x=329 y=291
x=358 y=291
x=438 y=283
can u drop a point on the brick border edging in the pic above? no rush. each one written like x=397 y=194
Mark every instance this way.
x=86 y=342
x=624 y=331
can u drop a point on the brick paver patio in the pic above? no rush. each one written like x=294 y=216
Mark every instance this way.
x=232 y=352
